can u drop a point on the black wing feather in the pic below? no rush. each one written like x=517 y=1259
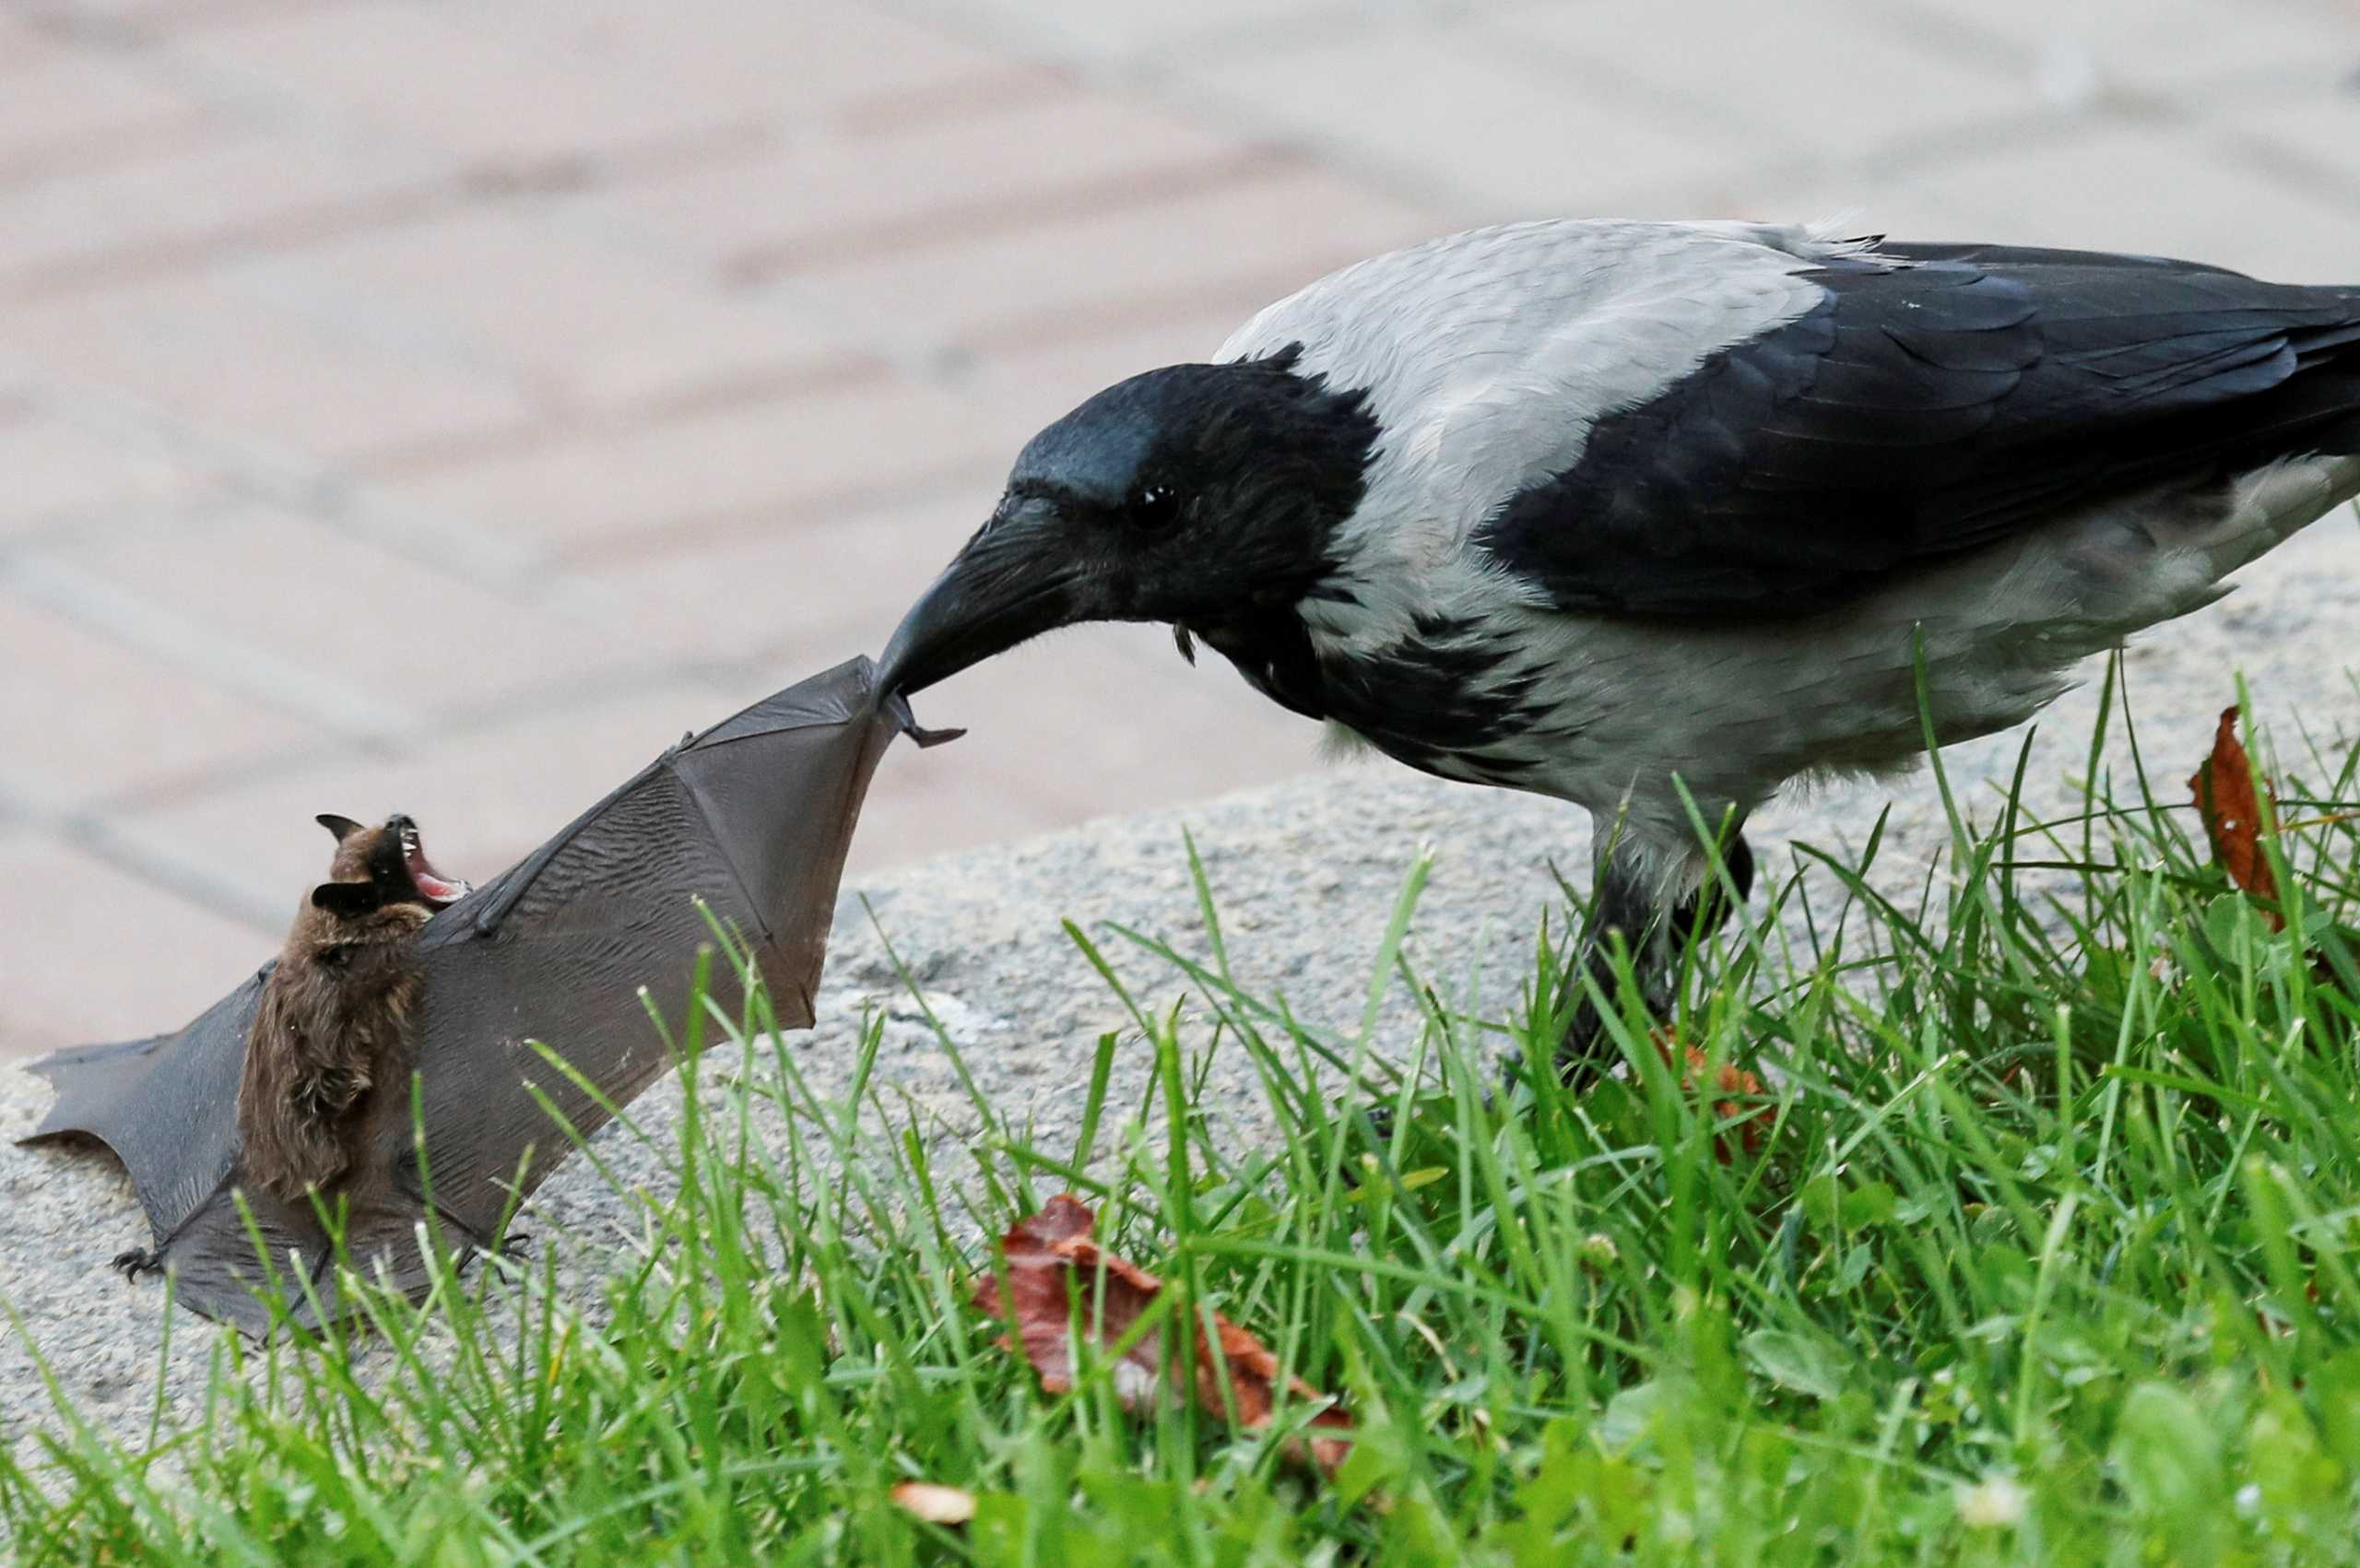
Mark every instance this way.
x=1937 y=398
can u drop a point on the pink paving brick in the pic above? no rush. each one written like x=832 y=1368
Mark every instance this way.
x=503 y=84
x=1126 y=31
x=150 y=19
x=397 y=634
x=486 y=96
x=218 y=191
x=1890 y=76
x=270 y=366
x=59 y=472
x=577 y=323
x=739 y=468
x=799 y=595
x=1008 y=163
x=86 y=719
x=2175 y=49
x=64 y=980
x=1251 y=237
x=71 y=109
x=20 y=44
x=808 y=61
x=1491 y=131
x=2313 y=131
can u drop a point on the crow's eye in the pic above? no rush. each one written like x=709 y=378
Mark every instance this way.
x=1153 y=508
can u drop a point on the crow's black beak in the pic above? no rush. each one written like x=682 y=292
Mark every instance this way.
x=998 y=593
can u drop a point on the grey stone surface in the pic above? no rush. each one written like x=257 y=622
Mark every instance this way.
x=1306 y=874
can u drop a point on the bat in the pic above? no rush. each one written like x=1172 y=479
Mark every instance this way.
x=337 y=1014
x=753 y=817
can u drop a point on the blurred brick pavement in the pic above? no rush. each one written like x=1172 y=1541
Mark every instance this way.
x=440 y=406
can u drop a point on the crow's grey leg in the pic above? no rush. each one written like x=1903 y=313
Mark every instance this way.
x=1633 y=891
x=1626 y=911
x=1631 y=905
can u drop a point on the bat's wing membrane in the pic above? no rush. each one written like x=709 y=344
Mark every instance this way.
x=753 y=818
x=167 y=1106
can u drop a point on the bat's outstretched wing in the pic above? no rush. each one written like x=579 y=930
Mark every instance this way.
x=166 y=1105
x=752 y=817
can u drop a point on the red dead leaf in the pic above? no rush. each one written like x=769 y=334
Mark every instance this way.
x=1055 y=1271
x=1730 y=1080
x=2225 y=798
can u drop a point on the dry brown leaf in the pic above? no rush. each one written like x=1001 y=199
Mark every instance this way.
x=2225 y=798
x=933 y=1502
x=1054 y=1268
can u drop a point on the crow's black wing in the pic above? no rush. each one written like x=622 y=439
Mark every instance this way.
x=1985 y=253
x=1934 y=399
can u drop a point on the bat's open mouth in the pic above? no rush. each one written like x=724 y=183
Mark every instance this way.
x=435 y=887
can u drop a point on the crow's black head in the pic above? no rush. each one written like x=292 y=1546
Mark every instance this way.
x=1194 y=492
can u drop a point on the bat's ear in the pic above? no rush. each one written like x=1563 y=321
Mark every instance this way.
x=342 y=827
x=348 y=899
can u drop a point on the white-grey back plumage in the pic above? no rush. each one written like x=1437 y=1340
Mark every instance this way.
x=1487 y=355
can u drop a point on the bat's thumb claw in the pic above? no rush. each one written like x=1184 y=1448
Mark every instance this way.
x=899 y=706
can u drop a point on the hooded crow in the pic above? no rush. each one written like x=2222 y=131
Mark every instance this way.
x=1608 y=509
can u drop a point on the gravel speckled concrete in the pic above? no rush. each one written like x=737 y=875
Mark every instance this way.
x=1306 y=873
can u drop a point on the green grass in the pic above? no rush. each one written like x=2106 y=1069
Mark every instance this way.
x=2049 y=1252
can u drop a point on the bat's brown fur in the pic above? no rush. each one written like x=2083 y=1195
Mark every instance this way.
x=337 y=1016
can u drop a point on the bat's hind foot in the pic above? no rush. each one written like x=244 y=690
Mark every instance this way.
x=137 y=1261
x=511 y=1248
